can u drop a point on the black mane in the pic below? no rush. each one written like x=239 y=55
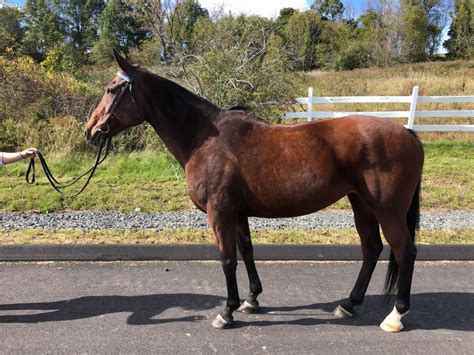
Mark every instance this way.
x=238 y=108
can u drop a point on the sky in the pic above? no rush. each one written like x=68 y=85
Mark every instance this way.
x=255 y=7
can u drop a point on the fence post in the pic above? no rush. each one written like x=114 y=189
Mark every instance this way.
x=309 y=115
x=414 y=98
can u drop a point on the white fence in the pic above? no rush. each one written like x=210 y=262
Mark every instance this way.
x=411 y=114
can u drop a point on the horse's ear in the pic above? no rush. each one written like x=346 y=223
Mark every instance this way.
x=124 y=63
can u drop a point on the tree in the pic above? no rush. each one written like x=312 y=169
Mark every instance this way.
x=414 y=31
x=437 y=15
x=170 y=21
x=43 y=29
x=118 y=29
x=461 y=32
x=11 y=32
x=283 y=18
x=182 y=22
x=79 y=23
x=301 y=34
x=329 y=9
x=380 y=33
x=340 y=48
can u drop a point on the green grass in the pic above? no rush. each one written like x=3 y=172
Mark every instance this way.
x=145 y=180
x=448 y=175
x=202 y=236
x=155 y=182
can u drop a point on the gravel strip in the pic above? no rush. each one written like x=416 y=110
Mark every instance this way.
x=90 y=220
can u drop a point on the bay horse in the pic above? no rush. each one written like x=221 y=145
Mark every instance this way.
x=238 y=165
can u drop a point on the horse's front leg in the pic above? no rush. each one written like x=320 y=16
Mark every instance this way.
x=224 y=227
x=244 y=242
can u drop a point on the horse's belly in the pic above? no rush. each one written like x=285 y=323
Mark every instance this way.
x=292 y=202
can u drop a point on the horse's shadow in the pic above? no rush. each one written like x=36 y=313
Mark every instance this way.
x=430 y=311
x=143 y=309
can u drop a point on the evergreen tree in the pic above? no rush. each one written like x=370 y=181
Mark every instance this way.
x=437 y=16
x=414 y=31
x=461 y=32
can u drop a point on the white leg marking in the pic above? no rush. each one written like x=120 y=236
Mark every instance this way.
x=393 y=322
x=342 y=313
x=246 y=307
x=220 y=323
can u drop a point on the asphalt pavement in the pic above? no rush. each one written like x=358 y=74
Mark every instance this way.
x=167 y=307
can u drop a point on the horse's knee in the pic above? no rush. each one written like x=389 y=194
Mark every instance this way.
x=229 y=265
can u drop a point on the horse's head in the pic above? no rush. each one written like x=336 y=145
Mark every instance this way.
x=118 y=108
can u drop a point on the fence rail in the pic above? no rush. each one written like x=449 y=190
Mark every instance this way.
x=411 y=114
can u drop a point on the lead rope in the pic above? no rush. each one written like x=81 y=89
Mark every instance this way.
x=55 y=183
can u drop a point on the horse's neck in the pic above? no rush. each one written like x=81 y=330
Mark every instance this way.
x=183 y=120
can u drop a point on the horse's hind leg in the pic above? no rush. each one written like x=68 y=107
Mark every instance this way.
x=250 y=305
x=397 y=234
x=368 y=228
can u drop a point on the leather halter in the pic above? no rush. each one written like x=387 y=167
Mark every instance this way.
x=126 y=87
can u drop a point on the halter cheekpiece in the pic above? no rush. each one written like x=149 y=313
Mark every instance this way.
x=126 y=87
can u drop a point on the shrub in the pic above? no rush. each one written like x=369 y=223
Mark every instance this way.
x=28 y=91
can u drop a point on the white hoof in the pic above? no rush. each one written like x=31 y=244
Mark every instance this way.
x=247 y=307
x=342 y=313
x=220 y=323
x=393 y=322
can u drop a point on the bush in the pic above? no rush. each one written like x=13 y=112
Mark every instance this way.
x=38 y=107
x=237 y=61
x=29 y=91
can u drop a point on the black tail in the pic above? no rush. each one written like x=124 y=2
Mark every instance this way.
x=413 y=222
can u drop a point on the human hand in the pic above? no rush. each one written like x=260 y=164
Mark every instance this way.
x=29 y=153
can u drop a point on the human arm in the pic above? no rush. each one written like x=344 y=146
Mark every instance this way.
x=7 y=158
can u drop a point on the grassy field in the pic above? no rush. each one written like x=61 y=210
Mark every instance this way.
x=173 y=236
x=433 y=78
x=154 y=182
